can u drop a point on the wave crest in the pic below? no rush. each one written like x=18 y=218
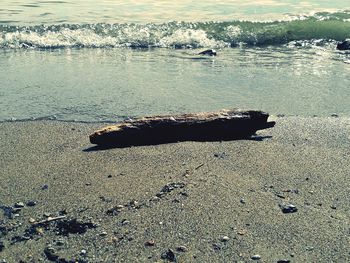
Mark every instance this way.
x=178 y=34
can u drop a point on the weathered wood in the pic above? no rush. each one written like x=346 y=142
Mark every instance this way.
x=211 y=126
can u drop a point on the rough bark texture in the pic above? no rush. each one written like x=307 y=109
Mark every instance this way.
x=210 y=126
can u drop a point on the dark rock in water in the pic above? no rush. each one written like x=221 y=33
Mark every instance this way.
x=345 y=45
x=208 y=52
x=169 y=255
x=288 y=208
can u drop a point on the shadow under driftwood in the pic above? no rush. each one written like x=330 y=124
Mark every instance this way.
x=112 y=146
x=224 y=125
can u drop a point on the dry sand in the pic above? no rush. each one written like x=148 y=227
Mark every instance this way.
x=222 y=202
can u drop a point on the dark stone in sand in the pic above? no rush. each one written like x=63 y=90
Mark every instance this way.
x=16 y=239
x=19 y=205
x=256 y=257
x=150 y=243
x=182 y=249
x=283 y=261
x=208 y=52
x=2 y=246
x=31 y=203
x=169 y=255
x=113 y=211
x=220 y=155
x=3 y=231
x=288 y=208
x=50 y=253
x=216 y=247
x=210 y=126
x=73 y=226
x=10 y=212
x=344 y=45
x=171 y=186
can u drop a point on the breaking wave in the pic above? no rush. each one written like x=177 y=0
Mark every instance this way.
x=325 y=26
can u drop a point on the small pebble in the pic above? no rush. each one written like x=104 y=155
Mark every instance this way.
x=16 y=210
x=150 y=243
x=288 y=208
x=44 y=187
x=60 y=242
x=154 y=198
x=31 y=220
x=169 y=255
x=19 y=204
x=225 y=239
x=39 y=230
x=125 y=222
x=103 y=233
x=47 y=214
x=216 y=247
x=83 y=252
x=256 y=257
x=283 y=261
x=280 y=195
x=31 y=203
x=2 y=246
x=241 y=232
x=182 y=249
x=134 y=203
x=242 y=200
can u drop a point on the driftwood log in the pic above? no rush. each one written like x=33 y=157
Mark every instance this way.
x=210 y=126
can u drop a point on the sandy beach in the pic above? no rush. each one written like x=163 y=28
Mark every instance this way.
x=281 y=197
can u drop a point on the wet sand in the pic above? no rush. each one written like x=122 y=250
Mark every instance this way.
x=205 y=201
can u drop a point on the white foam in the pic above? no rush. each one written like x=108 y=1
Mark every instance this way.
x=190 y=38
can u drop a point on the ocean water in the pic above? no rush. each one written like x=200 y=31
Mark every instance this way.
x=106 y=61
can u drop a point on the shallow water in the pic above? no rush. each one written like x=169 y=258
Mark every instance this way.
x=78 y=60
x=147 y=11
x=111 y=84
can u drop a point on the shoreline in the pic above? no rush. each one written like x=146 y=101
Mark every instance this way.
x=205 y=201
